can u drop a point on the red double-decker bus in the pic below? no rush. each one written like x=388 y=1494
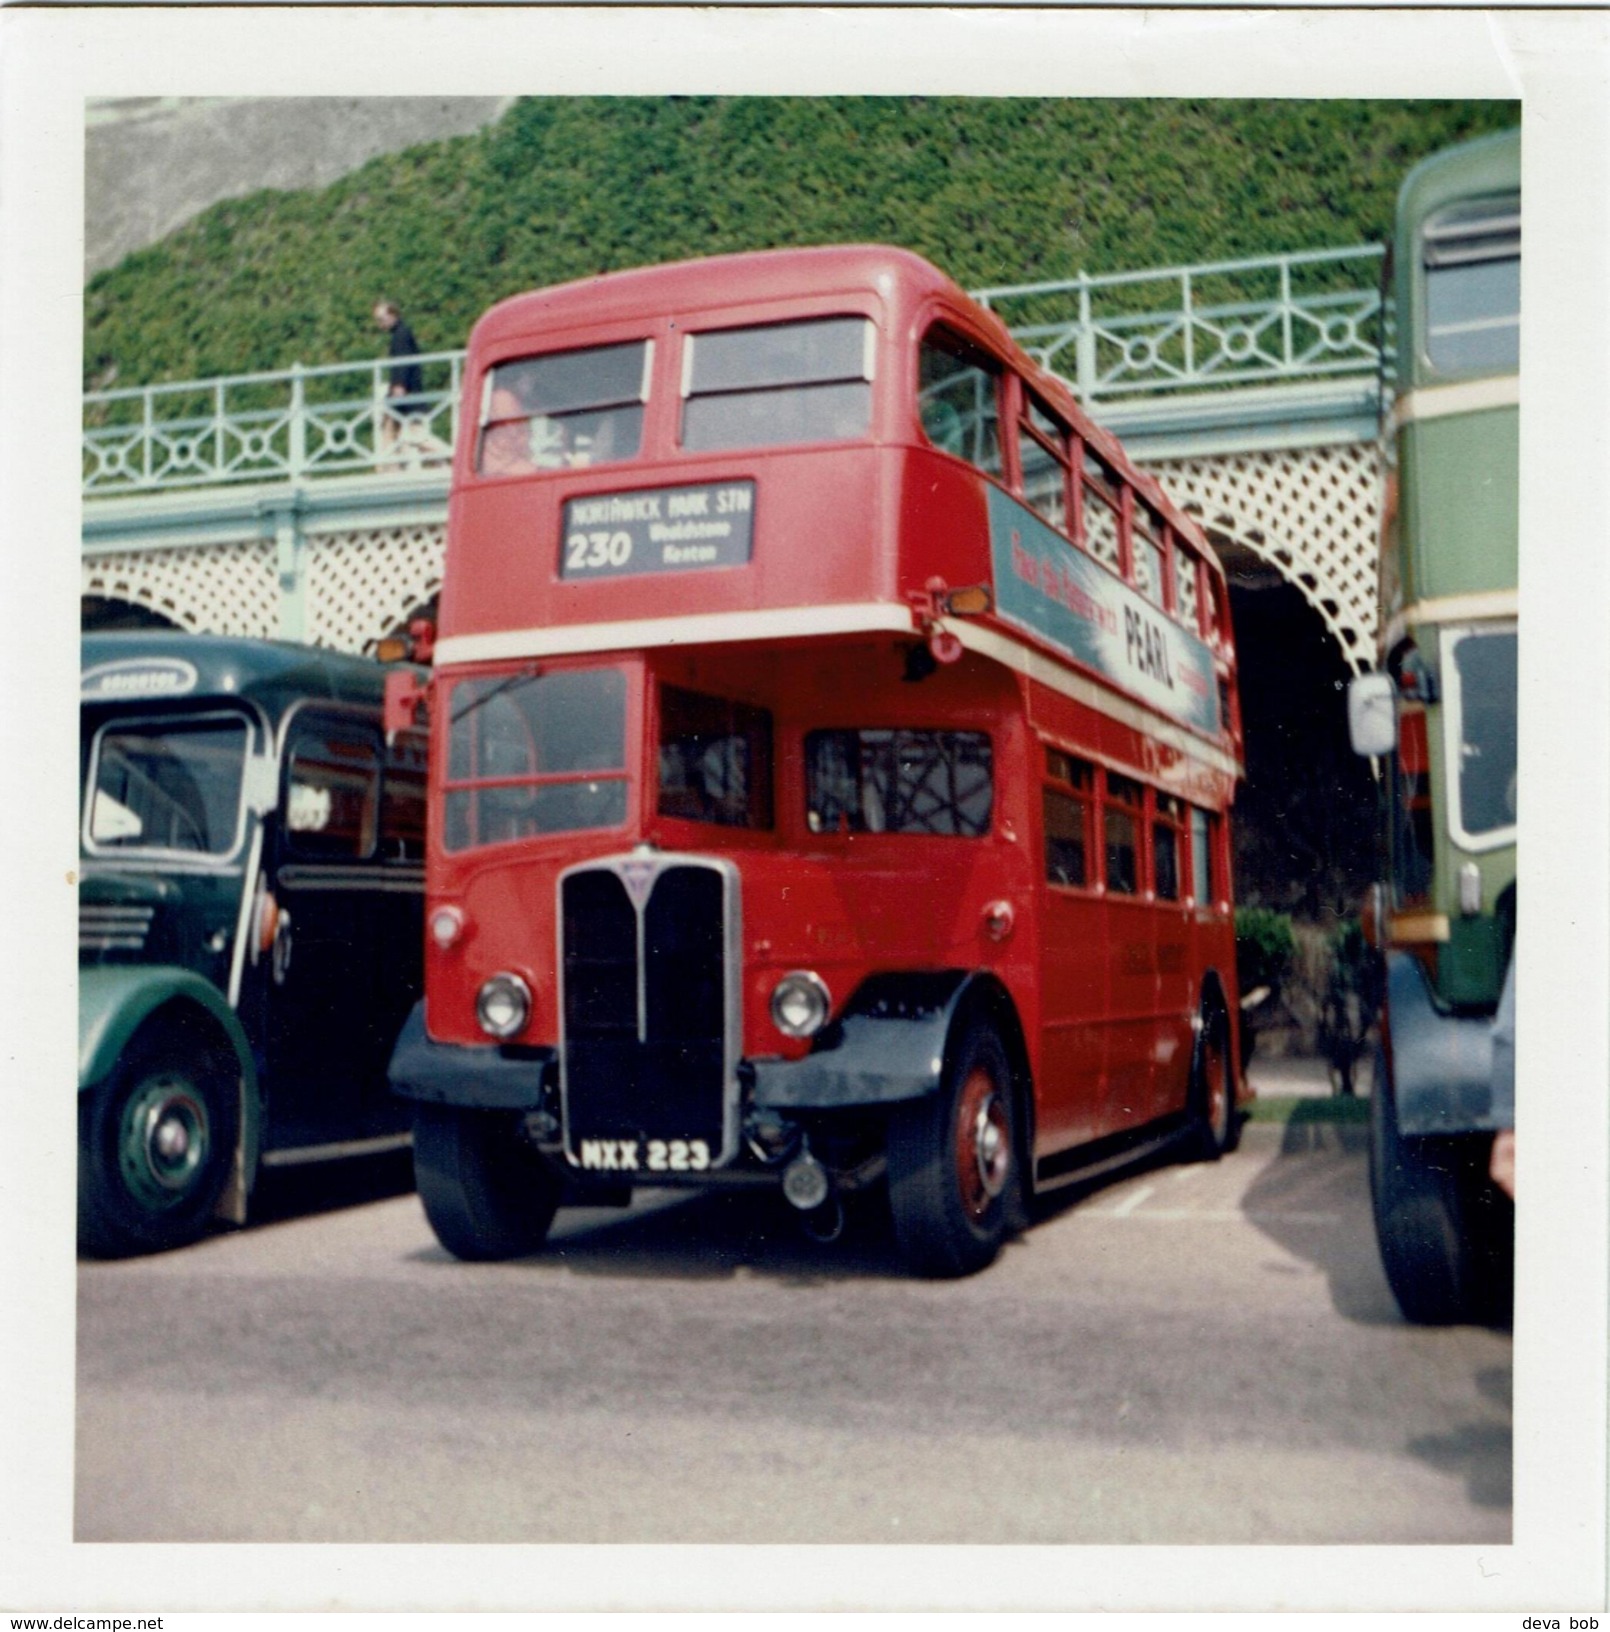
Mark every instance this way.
x=834 y=741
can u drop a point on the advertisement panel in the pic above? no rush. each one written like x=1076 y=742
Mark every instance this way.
x=1048 y=588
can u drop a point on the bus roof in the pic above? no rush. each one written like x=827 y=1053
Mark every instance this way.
x=901 y=278
x=271 y=673
x=722 y=280
x=1489 y=164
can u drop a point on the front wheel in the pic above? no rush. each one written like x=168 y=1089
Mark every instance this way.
x=1444 y=1231
x=487 y=1194
x=155 y=1144
x=953 y=1163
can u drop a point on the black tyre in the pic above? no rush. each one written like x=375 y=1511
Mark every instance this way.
x=486 y=1193
x=1215 y=1126
x=155 y=1144
x=953 y=1169
x=1445 y=1231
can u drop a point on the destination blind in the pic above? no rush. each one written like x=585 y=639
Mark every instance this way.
x=662 y=529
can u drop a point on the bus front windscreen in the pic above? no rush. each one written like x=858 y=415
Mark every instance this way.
x=534 y=752
x=168 y=785
x=1481 y=667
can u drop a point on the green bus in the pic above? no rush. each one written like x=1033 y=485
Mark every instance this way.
x=250 y=924
x=1440 y=715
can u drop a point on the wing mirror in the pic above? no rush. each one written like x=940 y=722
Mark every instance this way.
x=1372 y=714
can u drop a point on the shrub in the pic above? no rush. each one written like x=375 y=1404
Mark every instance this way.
x=992 y=189
x=1264 y=949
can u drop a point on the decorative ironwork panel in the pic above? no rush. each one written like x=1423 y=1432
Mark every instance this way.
x=1313 y=514
x=334 y=420
x=227 y=589
x=363 y=584
x=1264 y=321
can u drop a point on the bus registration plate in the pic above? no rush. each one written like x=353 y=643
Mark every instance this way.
x=659 y=529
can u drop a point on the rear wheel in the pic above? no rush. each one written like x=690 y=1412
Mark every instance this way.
x=487 y=1194
x=155 y=1144
x=1215 y=1127
x=953 y=1162
x=1445 y=1232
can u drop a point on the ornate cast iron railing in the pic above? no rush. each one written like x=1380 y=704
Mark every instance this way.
x=1275 y=320
x=1284 y=319
x=297 y=423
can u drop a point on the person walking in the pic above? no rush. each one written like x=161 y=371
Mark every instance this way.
x=405 y=385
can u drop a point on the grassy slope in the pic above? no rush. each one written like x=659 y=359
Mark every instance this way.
x=992 y=191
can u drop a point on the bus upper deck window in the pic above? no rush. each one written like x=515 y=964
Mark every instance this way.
x=1472 y=258
x=1148 y=554
x=779 y=383
x=1043 y=448
x=1100 y=510
x=564 y=410
x=1185 y=596
x=958 y=389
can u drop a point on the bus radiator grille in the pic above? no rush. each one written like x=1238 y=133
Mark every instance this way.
x=644 y=1012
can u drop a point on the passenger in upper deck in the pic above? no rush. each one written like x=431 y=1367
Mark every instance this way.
x=518 y=440
x=506 y=438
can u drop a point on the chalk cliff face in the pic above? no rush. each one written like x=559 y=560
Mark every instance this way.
x=150 y=163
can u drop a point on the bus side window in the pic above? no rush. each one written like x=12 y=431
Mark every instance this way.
x=1043 y=448
x=715 y=760
x=1204 y=833
x=1121 y=818
x=402 y=800
x=1100 y=510
x=332 y=792
x=1069 y=816
x=958 y=389
x=1167 y=821
x=899 y=781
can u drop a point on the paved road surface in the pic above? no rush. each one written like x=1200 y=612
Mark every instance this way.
x=1190 y=1354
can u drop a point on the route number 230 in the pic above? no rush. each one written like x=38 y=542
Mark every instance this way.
x=588 y=552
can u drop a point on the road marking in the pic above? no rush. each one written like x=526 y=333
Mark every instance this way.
x=1132 y=1201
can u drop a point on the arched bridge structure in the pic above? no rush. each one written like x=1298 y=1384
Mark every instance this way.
x=272 y=504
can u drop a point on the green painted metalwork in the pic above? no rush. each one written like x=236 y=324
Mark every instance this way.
x=1459 y=504
x=1272 y=319
x=115 y=1000
x=287 y=426
x=1307 y=324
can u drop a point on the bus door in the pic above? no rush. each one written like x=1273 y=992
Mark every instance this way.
x=328 y=1033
